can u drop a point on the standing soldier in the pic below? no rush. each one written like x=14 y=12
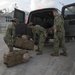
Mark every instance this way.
x=10 y=34
x=59 y=34
x=41 y=32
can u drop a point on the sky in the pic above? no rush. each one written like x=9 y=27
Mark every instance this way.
x=29 y=5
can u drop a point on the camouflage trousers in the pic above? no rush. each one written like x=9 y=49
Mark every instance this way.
x=59 y=41
x=9 y=43
x=42 y=39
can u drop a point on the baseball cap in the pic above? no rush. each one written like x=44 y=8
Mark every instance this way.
x=15 y=20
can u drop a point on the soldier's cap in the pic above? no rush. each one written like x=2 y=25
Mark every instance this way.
x=30 y=24
x=14 y=20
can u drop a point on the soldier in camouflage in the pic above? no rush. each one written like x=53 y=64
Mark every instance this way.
x=59 y=35
x=41 y=32
x=10 y=34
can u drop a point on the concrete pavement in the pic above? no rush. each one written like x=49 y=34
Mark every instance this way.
x=41 y=64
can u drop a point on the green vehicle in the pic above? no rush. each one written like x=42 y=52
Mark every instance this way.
x=45 y=18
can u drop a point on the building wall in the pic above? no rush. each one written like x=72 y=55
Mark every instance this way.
x=4 y=22
x=5 y=19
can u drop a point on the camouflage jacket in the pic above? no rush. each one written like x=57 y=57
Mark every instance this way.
x=39 y=30
x=10 y=32
x=59 y=25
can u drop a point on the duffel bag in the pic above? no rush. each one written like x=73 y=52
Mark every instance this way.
x=18 y=42
x=16 y=57
x=28 y=44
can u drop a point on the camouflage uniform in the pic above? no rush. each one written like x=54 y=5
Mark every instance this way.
x=41 y=32
x=59 y=34
x=9 y=36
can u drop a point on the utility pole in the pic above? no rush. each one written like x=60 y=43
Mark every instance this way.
x=15 y=6
x=61 y=3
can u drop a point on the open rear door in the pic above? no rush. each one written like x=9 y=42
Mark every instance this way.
x=21 y=28
x=68 y=13
x=19 y=15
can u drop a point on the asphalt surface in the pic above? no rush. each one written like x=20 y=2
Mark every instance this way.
x=41 y=64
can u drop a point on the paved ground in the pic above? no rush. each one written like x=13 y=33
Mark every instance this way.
x=43 y=64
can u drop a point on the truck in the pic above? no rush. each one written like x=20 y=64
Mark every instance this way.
x=45 y=18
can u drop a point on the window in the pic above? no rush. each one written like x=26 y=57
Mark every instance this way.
x=8 y=19
x=70 y=10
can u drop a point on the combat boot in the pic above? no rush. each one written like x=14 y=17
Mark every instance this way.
x=64 y=54
x=39 y=53
x=54 y=54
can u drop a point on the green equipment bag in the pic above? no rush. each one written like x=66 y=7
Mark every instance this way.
x=24 y=43
x=18 y=42
x=28 y=44
x=16 y=57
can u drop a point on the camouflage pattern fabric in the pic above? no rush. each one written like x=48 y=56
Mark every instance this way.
x=16 y=57
x=28 y=44
x=41 y=32
x=9 y=36
x=59 y=34
x=19 y=42
x=24 y=43
x=50 y=30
